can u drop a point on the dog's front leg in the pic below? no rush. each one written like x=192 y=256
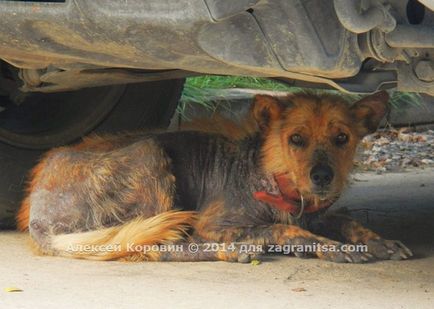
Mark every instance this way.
x=283 y=235
x=354 y=232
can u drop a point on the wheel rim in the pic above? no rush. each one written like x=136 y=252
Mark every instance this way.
x=45 y=120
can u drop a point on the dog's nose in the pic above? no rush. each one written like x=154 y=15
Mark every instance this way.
x=321 y=175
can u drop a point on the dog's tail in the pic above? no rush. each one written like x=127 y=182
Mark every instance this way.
x=23 y=216
x=122 y=241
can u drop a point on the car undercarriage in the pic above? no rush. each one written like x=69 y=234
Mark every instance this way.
x=352 y=46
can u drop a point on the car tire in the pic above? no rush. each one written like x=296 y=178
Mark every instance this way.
x=119 y=108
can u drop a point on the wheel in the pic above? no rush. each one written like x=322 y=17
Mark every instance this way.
x=41 y=121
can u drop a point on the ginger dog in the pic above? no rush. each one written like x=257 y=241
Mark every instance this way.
x=269 y=187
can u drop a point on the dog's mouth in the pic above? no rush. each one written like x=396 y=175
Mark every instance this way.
x=310 y=202
x=321 y=195
x=286 y=197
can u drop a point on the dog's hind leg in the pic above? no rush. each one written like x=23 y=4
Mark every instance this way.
x=78 y=191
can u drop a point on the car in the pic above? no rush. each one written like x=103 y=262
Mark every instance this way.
x=69 y=68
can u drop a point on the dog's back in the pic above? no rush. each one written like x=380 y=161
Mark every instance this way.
x=151 y=188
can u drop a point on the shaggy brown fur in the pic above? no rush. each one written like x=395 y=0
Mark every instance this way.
x=222 y=186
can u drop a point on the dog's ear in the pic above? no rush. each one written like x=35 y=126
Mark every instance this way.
x=265 y=110
x=369 y=111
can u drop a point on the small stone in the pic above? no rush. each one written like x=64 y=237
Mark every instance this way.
x=299 y=290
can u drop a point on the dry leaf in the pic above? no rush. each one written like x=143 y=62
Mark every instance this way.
x=13 y=289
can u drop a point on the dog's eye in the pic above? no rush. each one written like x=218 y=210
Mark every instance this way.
x=296 y=140
x=341 y=139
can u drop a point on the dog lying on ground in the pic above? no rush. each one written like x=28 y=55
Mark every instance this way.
x=269 y=187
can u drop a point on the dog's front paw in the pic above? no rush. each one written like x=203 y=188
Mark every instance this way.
x=384 y=249
x=241 y=253
x=247 y=257
x=332 y=251
x=340 y=253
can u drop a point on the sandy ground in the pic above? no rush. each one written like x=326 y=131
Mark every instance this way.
x=399 y=205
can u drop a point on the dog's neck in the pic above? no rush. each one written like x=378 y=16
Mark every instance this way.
x=277 y=190
x=285 y=197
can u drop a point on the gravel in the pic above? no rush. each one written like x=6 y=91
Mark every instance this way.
x=392 y=150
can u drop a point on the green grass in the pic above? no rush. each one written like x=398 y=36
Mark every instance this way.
x=197 y=90
x=227 y=82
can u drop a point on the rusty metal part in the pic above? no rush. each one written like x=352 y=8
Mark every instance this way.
x=411 y=36
x=31 y=77
x=425 y=70
x=373 y=45
x=409 y=81
x=58 y=80
x=352 y=18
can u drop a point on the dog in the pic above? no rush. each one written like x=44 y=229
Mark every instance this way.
x=270 y=186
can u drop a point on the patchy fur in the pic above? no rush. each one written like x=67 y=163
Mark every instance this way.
x=218 y=184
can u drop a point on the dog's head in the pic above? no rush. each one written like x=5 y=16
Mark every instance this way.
x=312 y=139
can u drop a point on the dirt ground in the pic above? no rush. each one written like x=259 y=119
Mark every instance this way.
x=401 y=206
